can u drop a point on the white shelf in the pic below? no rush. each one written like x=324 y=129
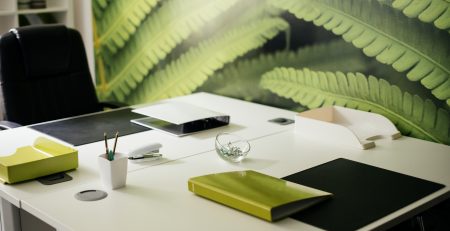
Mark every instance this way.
x=43 y=10
x=61 y=10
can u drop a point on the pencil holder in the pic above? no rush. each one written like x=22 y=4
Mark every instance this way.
x=114 y=172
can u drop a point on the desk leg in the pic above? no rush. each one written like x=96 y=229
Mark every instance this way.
x=10 y=216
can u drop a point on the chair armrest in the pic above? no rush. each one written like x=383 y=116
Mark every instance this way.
x=112 y=105
x=4 y=124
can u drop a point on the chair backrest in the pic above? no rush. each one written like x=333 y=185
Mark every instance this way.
x=44 y=74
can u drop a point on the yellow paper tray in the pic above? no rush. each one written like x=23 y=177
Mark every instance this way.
x=45 y=157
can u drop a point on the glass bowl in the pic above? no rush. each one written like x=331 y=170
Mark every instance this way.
x=231 y=147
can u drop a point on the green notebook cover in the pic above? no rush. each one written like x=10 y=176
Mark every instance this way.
x=255 y=193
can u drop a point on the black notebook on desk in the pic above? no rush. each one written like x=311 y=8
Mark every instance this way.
x=362 y=193
x=90 y=128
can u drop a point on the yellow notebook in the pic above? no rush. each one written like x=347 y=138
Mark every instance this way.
x=255 y=193
x=43 y=158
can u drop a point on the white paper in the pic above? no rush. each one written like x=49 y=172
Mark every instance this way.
x=176 y=112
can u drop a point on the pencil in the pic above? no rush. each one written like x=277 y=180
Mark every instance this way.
x=106 y=144
x=115 y=143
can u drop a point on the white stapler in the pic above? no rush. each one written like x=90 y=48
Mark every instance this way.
x=147 y=152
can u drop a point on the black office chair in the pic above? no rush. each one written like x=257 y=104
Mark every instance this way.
x=44 y=75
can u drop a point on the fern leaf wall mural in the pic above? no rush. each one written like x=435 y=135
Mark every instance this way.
x=386 y=56
x=411 y=114
x=413 y=48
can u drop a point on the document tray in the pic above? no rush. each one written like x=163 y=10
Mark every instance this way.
x=179 y=118
x=185 y=128
x=43 y=158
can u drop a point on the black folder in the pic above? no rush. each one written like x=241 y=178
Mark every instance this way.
x=90 y=128
x=362 y=193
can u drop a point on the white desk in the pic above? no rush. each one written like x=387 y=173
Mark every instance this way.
x=247 y=119
x=157 y=198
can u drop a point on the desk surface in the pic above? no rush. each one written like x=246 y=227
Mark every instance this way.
x=250 y=125
x=156 y=197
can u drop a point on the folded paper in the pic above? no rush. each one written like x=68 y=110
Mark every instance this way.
x=344 y=126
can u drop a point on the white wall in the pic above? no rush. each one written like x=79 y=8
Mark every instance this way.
x=83 y=23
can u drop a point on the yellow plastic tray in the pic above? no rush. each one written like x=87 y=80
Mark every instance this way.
x=43 y=158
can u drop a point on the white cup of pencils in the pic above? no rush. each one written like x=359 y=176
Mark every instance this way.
x=113 y=166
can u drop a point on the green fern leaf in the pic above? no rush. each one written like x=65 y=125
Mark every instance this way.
x=185 y=74
x=246 y=12
x=385 y=34
x=242 y=12
x=239 y=79
x=429 y=11
x=154 y=39
x=98 y=6
x=412 y=115
x=120 y=20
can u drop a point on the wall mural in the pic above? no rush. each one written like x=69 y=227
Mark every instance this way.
x=386 y=56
